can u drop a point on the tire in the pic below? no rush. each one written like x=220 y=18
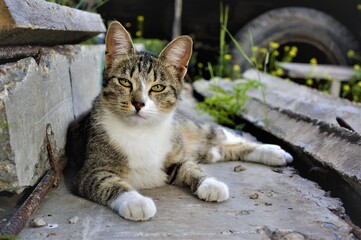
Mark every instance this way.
x=297 y=25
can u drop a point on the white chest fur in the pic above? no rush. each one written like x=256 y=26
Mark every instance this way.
x=146 y=148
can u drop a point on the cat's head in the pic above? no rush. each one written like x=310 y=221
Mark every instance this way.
x=141 y=88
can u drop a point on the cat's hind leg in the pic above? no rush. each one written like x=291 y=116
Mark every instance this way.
x=235 y=147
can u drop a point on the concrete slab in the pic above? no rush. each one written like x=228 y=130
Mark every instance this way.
x=306 y=101
x=38 y=22
x=306 y=119
x=263 y=204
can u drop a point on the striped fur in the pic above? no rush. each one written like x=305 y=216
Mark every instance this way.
x=134 y=138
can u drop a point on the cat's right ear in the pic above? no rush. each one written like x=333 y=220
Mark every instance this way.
x=117 y=42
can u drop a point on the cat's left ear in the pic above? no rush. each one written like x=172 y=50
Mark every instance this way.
x=117 y=42
x=177 y=55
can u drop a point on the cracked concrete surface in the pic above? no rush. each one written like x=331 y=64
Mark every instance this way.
x=263 y=203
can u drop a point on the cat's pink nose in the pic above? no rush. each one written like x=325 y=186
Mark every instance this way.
x=138 y=105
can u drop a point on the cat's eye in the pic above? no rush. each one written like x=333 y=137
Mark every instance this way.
x=125 y=82
x=158 y=88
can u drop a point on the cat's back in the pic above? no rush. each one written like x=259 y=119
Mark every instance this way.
x=193 y=129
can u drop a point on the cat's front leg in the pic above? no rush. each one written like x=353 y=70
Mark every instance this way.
x=106 y=187
x=133 y=206
x=189 y=174
x=212 y=190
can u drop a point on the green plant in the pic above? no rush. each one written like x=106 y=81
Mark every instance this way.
x=352 y=89
x=152 y=45
x=267 y=59
x=220 y=66
x=254 y=64
x=223 y=20
x=4 y=125
x=9 y=237
x=225 y=105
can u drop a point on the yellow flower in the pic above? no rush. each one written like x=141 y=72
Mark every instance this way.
x=128 y=24
x=276 y=53
x=356 y=67
x=236 y=68
x=350 y=53
x=309 y=82
x=358 y=6
x=254 y=49
x=359 y=84
x=227 y=57
x=263 y=50
x=200 y=65
x=227 y=79
x=140 y=18
x=274 y=45
x=293 y=51
x=286 y=48
x=346 y=88
x=279 y=72
x=253 y=59
x=313 y=61
x=138 y=33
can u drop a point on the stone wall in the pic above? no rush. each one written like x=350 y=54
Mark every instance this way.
x=53 y=88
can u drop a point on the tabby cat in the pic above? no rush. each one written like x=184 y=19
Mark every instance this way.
x=134 y=138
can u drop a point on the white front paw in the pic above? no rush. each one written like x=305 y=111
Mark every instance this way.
x=133 y=206
x=212 y=190
x=269 y=154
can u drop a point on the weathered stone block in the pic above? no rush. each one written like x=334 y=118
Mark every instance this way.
x=86 y=75
x=39 y=22
x=60 y=86
x=41 y=95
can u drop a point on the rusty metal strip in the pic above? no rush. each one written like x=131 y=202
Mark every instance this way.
x=31 y=204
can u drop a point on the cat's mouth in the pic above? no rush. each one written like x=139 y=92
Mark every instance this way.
x=138 y=116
